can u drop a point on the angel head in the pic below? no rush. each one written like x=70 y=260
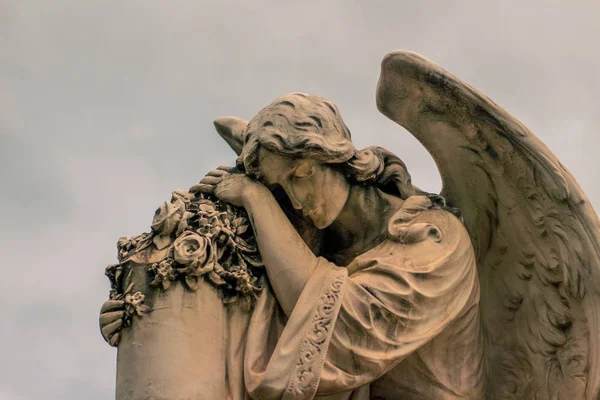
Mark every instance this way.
x=300 y=143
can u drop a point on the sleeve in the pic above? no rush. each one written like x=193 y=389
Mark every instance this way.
x=352 y=325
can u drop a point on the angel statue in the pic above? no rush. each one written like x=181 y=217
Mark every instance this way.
x=313 y=269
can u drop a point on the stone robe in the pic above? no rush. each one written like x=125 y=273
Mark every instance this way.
x=401 y=321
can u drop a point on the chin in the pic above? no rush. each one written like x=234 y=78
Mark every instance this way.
x=321 y=221
x=320 y=224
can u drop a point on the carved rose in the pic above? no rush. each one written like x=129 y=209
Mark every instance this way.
x=197 y=239
x=168 y=218
x=191 y=249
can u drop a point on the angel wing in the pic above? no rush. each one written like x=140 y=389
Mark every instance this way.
x=535 y=233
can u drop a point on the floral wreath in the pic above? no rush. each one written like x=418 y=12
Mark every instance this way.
x=197 y=236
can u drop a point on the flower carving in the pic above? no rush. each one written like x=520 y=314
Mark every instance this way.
x=113 y=272
x=164 y=273
x=134 y=306
x=126 y=246
x=169 y=218
x=194 y=253
x=184 y=196
x=210 y=221
x=191 y=249
x=194 y=236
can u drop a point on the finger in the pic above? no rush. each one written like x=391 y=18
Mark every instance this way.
x=202 y=188
x=111 y=328
x=109 y=317
x=226 y=168
x=211 y=180
x=112 y=305
x=114 y=339
x=218 y=172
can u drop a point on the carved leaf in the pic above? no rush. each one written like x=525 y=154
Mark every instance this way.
x=129 y=288
x=253 y=259
x=216 y=278
x=191 y=282
x=241 y=229
x=244 y=246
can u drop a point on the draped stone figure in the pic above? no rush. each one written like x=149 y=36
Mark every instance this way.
x=312 y=269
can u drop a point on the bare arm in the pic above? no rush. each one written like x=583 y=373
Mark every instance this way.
x=288 y=260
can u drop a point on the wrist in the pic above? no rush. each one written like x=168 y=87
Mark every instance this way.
x=253 y=194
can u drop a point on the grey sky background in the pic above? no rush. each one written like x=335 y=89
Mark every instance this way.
x=107 y=106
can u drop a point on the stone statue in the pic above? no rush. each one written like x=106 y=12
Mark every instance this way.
x=313 y=269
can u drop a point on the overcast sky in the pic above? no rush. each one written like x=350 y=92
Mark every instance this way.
x=107 y=106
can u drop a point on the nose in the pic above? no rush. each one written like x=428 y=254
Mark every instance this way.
x=293 y=199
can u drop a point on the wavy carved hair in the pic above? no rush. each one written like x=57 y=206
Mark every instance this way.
x=297 y=125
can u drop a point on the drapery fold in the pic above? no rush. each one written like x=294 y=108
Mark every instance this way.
x=289 y=367
x=414 y=295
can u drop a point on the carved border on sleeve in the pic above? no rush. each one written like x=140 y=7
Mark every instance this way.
x=307 y=371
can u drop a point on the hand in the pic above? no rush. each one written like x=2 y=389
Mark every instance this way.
x=228 y=185
x=111 y=321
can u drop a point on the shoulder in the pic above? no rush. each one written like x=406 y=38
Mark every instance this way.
x=422 y=238
x=426 y=234
x=419 y=219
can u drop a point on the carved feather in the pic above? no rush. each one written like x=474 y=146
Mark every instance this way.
x=534 y=232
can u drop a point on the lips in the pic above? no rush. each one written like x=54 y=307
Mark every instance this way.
x=309 y=214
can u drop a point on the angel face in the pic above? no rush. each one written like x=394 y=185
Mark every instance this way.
x=318 y=190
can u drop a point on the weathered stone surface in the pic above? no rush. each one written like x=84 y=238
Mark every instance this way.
x=317 y=270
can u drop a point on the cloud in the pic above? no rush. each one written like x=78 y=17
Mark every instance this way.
x=106 y=107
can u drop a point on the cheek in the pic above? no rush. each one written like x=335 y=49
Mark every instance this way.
x=335 y=188
x=304 y=192
x=331 y=196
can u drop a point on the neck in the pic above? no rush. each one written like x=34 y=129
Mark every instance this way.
x=362 y=223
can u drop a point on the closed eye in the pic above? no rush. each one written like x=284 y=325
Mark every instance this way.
x=303 y=171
